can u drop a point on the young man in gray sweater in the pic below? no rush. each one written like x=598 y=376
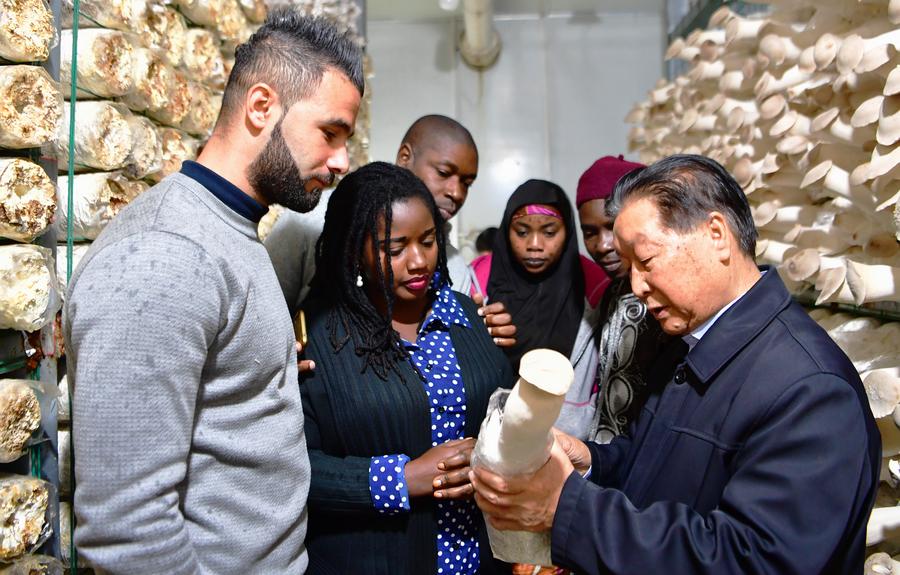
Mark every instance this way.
x=190 y=455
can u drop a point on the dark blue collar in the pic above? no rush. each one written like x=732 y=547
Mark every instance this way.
x=739 y=325
x=225 y=191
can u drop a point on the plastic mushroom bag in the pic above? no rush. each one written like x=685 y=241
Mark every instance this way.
x=62 y=263
x=177 y=147
x=28 y=290
x=25 y=514
x=200 y=12
x=98 y=198
x=20 y=416
x=33 y=565
x=146 y=150
x=26 y=30
x=65 y=533
x=125 y=15
x=202 y=58
x=102 y=136
x=164 y=33
x=202 y=112
x=64 y=439
x=515 y=439
x=27 y=199
x=178 y=104
x=254 y=10
x=153 y=80
x=232 y=25
x=31 y=107
x=105 y=66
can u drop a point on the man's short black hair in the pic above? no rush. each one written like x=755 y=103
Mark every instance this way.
x=291 y=53
x=429 y=129
x=686 y=189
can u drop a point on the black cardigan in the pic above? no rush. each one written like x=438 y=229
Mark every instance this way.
x=351 y=417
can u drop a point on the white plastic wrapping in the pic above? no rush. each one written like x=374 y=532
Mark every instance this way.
x=27 y=199
x=26 y=30
x=65 y=461
x=20 y=416
x=152 y=82
x=65 y=532
x=62 y=259
x=25 y=514
x=515 y=439
x=63 y=414
x=232 y=25
x=98 y=198
x=165 y=33
x=177 y=147
x=28 y=290
x=178 y=104
x=105 y=67
x=31 y=107
x=125 y=15
x=33 y=565
x=202 y=111
x=102 y=136
x=200 y=12
x=202 y=58
x=146 y=150
x=254 y=10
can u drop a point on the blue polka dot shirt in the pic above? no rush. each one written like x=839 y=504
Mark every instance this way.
x=435 y=358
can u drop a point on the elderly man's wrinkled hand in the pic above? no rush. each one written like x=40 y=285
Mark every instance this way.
x=523 y=503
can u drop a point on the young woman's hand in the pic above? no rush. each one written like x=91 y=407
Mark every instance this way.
x=498 y=321
x=454 y=482
x=303 y=365
x=422 y=472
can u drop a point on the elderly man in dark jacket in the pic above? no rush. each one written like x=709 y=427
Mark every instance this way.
x=756 y=452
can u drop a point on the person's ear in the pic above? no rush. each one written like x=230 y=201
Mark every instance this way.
x=720 y=235
x=404 y=155
x=261 y=106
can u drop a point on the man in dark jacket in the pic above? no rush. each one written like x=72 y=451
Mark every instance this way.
x=756 y=451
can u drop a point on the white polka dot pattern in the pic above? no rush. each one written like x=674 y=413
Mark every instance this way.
x=434 y=357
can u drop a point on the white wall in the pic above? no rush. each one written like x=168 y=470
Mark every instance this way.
x=553 y=103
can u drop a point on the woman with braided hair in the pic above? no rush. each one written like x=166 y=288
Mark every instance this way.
x=404 y=370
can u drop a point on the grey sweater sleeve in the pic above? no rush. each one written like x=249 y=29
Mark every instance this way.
x=139 y=322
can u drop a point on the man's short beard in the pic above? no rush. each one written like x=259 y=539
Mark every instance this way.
x=277 y=179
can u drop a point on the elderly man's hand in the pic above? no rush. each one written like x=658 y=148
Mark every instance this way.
x=523 y=503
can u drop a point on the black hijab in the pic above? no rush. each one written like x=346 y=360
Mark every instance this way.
x=545 y=308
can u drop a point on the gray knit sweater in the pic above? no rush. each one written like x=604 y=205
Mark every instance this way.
x=190 y=455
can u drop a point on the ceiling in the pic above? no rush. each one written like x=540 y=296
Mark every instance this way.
x=429 y=9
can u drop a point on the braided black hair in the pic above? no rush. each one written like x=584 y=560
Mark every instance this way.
x=357 y=204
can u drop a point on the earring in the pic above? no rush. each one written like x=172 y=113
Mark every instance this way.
x=359 y=281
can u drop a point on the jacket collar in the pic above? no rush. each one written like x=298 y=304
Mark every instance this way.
x=739 y=325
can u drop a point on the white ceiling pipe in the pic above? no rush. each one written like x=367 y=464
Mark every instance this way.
x=479 y=43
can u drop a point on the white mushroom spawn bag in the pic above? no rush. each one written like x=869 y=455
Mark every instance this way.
x=105 y=67
x=27 y=199
x=28 y=290
x=515 y=439
x=98 y=198
x=31 y=107
x=26 y=30
x=25 y=520
x=102 y=135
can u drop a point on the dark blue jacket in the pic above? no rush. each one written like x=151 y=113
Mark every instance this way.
x=757 y=453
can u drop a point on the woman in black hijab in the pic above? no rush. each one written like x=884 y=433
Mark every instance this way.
x=541 y=282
